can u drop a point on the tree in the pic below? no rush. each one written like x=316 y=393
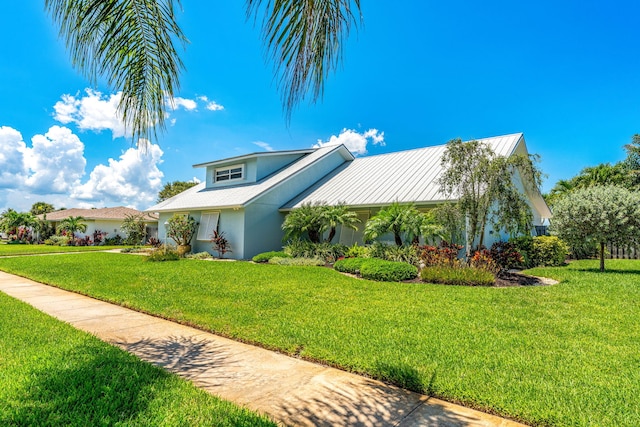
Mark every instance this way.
x=598 y=215
x=483 y=184
x=308 y=218
x=135 y=228
x=181 y=229
x=171 y=189
x=339 y=215
x=73 y=224
x=131 y=44
x=397 y=219
x=39 y=208
x=11 y=220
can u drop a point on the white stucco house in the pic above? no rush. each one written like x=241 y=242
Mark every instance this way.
x=107 y=220
x=247 y=197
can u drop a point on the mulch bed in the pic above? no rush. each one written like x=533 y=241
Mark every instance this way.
x=517 y=279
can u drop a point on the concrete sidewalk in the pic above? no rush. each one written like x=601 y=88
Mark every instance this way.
x=291 y=391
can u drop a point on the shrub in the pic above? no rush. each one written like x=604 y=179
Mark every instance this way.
x=155 y=242
x=387 y=271
x=549 y=251
x=483 y=260
x=506 y=255
x=357 y=251
x=524 y=245
x=467 y=276
x=297 y=261
x=220 y=243
x=200 y=255
x=266 y=256
x=446 y=254
x=165 y=253
x=306 y=249
x=114 y=241
x=57 y=240
x=349 y=265
x=408 y=254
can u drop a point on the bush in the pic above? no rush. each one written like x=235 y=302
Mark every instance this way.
x=297 y=261
x=483 y=260
x=446 y=254
x=167 y=253
x=349 y=265
x=524 y=245
x=408 y=254
x=549 y=251
x=200 y=255
x=114 y=241
x=306 y=249
x=57 y=241
x=357 y=251
x=266 y=256
x=387 y=271
x=506 y=255
x=466 y=276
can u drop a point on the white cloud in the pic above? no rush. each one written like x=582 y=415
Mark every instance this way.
x=12 y=148
x=354 y=141
x=177 y=102
x=264 y=145
x=52 y=168
x=134 y=179
x=93 y=111
x=56 y=161
x=214 y=106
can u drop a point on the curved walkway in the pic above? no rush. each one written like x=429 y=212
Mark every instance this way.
x=291 y=391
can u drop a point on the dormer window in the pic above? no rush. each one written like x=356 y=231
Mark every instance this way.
x=229 y=173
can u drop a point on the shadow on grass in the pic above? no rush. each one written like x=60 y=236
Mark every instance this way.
x=608 y=270
x=95 y=385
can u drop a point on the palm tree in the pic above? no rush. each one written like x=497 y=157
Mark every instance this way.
x=340 y=215
x=73 y=224
x=397 y=219
x=309 y=218
x=131 y=44
x=11 y=220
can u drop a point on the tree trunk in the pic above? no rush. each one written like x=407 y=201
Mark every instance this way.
x=601 y=256
x=398 y=239
x=314 y=236
x=332 y=234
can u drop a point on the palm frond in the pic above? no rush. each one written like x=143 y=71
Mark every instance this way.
x=304 y=38
x=129 y=43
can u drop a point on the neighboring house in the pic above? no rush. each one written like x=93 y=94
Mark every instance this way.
x=247 y=197
x=108 y=220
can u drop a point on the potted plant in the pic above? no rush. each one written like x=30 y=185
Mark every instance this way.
x=181 y=229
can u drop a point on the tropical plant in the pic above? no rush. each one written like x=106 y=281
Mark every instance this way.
x=220 y=243
x=266 y=256
x=171 y=189
x=135 y=228
x=181 y=228
x=339 y=215
x=308 y=218
x=483 y=185
x=397 y=219
x=11 y=220
x=598 y=215
x=131 y=45
x=73 y=224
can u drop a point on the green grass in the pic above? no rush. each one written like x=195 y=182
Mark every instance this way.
x=566 y=355
x=10 y=250
x=55 y=375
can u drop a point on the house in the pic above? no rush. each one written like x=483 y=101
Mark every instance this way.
x=107 y=220
x=247 y=197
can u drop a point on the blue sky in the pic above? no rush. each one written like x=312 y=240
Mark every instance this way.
x=417 y=73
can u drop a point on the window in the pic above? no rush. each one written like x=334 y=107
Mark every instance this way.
x=208 y=223
x=230 y=173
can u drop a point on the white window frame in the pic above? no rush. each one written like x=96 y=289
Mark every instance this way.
x=208 y=223
x=228 y=174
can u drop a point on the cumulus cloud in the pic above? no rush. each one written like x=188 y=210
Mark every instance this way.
x=211 y=105
x=178 y=102
x=93 y=111
x=265 y=146
x=356 y=142
x=53 y=167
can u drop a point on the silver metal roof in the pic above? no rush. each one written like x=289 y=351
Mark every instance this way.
x=199 y=198
x=406 y=176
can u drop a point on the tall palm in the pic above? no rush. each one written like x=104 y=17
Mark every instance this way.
x=340 y=215
x=132 y=45
x=73 y=224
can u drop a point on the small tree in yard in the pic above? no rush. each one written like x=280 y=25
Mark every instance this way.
x=398 y=219
x=598 y=215
x=339 y=215
x=135 y=229
x=483 y=185
x=73 y=224
x=181 y=229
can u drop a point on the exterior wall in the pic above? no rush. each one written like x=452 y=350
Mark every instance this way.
x=270 y=164
x=255 y=169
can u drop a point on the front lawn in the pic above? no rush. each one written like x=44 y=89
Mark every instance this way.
x=55 y=375
x=8 y=250
x=565 y=355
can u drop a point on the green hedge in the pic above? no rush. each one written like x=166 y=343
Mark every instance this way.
x=349 y=265
x=387 y=271
x=297 y=261
x=466 y=276
x=266 y=256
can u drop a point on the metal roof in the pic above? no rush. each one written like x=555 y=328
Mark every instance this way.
x=406 y=176
x=236 y=196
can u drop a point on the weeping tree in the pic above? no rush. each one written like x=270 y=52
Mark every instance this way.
x=598 y=215
x=483 y=185
x=133 y=46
